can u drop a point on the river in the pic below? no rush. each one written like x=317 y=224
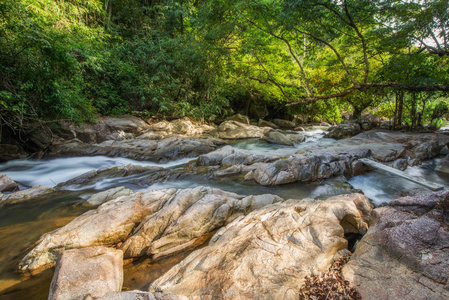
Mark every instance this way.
x=21 y=225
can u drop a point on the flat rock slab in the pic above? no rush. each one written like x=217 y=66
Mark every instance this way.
x=25 y=195
x=168 y=148
x=92 y=271
x=405 y=254
x=267 y=253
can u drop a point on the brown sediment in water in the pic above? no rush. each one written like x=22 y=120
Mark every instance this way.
x=20 y=228
x=139 y=274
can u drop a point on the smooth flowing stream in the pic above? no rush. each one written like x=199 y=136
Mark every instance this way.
x=21 y=225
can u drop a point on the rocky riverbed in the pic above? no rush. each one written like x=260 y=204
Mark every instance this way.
x=242 y=235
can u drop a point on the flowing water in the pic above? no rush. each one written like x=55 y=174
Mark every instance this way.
x=22 y=225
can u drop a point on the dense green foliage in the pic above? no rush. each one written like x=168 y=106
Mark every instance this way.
x=72 y=59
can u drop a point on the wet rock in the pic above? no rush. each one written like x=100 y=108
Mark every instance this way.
x=405 y=252
x=267 y=254
x=320 y=162
x=25 y=195
x=342 y=131
x=168 y=148
x=88 y=272
x=237 y=130
x=168 y=221
x=400 y=164
x=7 y=184
x=178 y=147
x=105 y=196
x=384 y=152
x=263 y=123
x=444 y=150
x=10 y=152
x=229 y=156
x=303 y=168
x=284 y=123
x=239 y=118
x=443 y=165
x=90 y=178
x=297 y=138
x=277 y=137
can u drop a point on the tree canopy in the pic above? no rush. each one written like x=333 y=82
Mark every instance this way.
x=73 y=59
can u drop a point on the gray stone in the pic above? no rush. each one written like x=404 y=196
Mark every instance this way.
x=284 y=123
x=405 y=252
x=400 y=164
x=88 y=272
x=277 y=137
x=25 y=195
x=168 y=148
x=343 y=131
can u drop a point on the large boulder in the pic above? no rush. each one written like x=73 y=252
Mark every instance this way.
x=237 y=130
x=109 y=224
x=268 y=253
x=342 y=131
x=155 y=223
x=187 y=217
x=284 y=123
x=229 y=156
x=7 y=184
x=405 y=254
x=177 y=127
x=277 y=137
x=303 y=168
x=128 y=124
x=88 y=272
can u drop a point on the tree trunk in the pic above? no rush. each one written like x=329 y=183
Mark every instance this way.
x=400 y=107
x=413 y=111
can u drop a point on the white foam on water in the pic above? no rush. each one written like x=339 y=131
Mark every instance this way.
x=53 y=171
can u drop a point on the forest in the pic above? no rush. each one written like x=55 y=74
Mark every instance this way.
x=77 y=59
